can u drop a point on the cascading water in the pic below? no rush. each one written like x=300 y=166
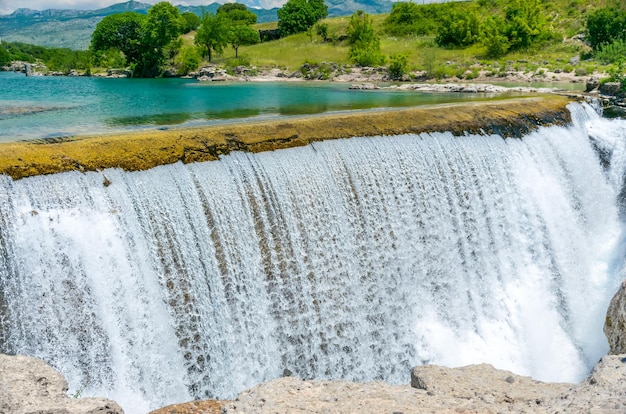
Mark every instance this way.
x=353 y=259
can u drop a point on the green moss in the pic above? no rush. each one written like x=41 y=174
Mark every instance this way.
x=147 y=149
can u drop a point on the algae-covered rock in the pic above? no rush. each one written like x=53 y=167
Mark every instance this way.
x=148 y=149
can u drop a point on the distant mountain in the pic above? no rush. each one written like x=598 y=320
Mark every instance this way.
x=346 y=8
x=73 y=28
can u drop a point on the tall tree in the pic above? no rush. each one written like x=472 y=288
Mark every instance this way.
x=298 y=16
x=242 y=35
x=142 y=39
x=122 y=31
x=213 y=34
x=163 y=25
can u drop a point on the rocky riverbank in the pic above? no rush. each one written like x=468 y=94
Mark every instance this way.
x=28 y=385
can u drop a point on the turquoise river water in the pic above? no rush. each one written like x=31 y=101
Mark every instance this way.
x=47 y=107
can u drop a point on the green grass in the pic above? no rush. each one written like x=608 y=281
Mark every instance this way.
x=567 y=17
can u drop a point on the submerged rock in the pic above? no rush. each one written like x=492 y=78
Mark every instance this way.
x=29 y=385
x=615 y=322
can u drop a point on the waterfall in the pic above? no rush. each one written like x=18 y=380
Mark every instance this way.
x=354 y=259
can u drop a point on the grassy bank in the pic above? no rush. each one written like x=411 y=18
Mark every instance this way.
x=561 y=54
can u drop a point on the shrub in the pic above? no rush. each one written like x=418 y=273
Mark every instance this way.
x=398 y=66
x=188 y=60
x=364 y=41
x=605 y=26
x=458 y=28
x=611 y=53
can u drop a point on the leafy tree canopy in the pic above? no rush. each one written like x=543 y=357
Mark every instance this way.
x=163 y=25
x=213 y=33
x=242 y=35
x=122 y=31
x=142 y=39
x=238 y=13
x=192 y=21
x=458 y=28
x=298 y=16
x=605 y=26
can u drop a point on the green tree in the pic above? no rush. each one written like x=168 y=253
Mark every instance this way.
x=188 y=60
x=606 y=25
x=525 y=23
x=458 y=28
x=213 y=34
x=238 y=13
x=364 y=41
x=5 y=56
x=494 y=38
x=142 y=39
x=297 y=16
x=163 y=26
x=192 y=21
x=242 y=35
x=123 y=32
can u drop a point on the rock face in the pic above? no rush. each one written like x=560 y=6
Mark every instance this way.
x=615 y=322
x=29 y=385
x=474 y=389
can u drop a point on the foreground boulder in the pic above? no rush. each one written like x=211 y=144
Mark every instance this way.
x=29 y=385
x=474 y=389
x=615 y=322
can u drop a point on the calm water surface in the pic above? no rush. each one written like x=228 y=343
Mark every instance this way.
x=47 y=107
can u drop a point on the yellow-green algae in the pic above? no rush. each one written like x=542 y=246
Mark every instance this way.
x=146 y=149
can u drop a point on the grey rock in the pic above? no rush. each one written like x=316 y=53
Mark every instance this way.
x=615 y=322
x=611 y=89
x=574 y=61
x=475 y=388
x=29 y=385
x=592 y=84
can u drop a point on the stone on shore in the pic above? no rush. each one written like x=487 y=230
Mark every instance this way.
x=615 y=322
x=29 y=385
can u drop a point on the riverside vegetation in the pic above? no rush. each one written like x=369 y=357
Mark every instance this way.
x=464 y=40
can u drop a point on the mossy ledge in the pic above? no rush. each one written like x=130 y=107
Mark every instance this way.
x=147 y=149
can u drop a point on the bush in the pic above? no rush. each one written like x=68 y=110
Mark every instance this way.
x=410 y=19
x=458 y=28
x=188 y=60
x=493 y=37
x=605 y=26
x=398 y=66
x=612 y=53
x=364 y=42
x=322 y=30
x=5 y=56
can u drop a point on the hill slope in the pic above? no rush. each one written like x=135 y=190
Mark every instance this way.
x=73 y=28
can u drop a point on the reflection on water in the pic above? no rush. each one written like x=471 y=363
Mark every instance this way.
x=39 y=107
x=152 y=119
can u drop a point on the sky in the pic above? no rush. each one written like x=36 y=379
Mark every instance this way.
x=8 y=6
